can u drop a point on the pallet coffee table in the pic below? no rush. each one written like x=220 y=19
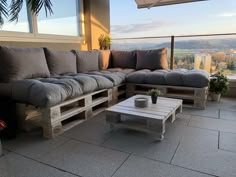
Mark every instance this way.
x=150 y=119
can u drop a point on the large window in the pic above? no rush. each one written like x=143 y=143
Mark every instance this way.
x=63 y=21
x=63 y=25
x=23 y=22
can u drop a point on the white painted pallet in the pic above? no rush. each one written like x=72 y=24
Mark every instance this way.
x=57 y=119
x=197 y=96
x=154 y=116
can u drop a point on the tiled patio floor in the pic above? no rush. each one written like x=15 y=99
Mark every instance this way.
x=200 y=143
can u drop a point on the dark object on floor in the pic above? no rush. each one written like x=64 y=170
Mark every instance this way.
x=8 y=115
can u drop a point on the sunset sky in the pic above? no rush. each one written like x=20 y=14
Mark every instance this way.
x=212 y=16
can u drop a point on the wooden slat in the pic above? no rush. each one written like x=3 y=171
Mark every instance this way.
x=143 y=110
x=151 y=107
x=135 y=113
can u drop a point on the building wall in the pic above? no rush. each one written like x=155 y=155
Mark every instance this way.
x=97 y=22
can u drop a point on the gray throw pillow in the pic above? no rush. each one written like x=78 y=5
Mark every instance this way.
x=123 y=59
x=22 y=63
x=87 y=61
x=60 y=62
x=152 y=59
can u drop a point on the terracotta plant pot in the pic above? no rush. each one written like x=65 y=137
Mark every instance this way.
x=215 y=97
x=154 y=99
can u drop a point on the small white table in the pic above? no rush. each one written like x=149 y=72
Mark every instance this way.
x=150 y=119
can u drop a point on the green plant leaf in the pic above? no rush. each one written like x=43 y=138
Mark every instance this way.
x=3 y=11
x=36 y=5
x=15 y=8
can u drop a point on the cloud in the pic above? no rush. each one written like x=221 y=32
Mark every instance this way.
x=138 y=27
x=227 y=14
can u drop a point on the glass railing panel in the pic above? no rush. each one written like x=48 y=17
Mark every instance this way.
x=211 y=53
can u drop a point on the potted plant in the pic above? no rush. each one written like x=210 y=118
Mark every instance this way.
x=104 y=42
x=154 y=93
x=2 y=126
x=218 y=86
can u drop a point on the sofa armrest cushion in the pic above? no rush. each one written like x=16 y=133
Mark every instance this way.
x=22 y=63
x=60 y=62
x=123 y=59
x=152 y=59
x=87 y=61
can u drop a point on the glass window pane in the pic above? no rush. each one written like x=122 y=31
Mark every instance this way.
x=21 y=26
x=63 y=21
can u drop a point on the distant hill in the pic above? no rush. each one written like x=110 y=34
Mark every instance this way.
x=186 y=44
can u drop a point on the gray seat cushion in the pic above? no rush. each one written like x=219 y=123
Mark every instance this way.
x=175 y=78
x=116 y=78
x=196 y=78
x=60 y=62
x=179 y=77
x=157 y=77
x=125 y=71
x=87 y=61
x=90 y=83
x=152 y=59
x=123 y=59
x=137 y=77
x=103 y=82
x=22 y=63
x=45 y=92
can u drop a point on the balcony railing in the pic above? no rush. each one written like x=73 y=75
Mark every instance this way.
x=211 y=52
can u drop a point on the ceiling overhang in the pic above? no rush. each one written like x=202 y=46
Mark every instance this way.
x=154 y=3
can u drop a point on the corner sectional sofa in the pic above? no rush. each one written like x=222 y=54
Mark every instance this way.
x=60 y=89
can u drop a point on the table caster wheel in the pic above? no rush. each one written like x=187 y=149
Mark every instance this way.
x=160 y=138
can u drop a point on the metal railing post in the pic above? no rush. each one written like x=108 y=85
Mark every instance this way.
x=172 y=52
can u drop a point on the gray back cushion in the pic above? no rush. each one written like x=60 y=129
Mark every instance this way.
x=60 y=62
x=87 y=61
x=22 y=63
x=152 y=59
x=123 y=59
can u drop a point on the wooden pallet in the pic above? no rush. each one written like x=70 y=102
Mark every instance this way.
x=195 y=97
x=57 y=119
x=150 y=119
x=118 y=93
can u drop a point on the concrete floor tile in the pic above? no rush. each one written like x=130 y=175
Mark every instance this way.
x=228 y=141
x=141 y=167
x=12 y=165
x=200 y=155
x=228 y=114
x=213 y=124
x=85 y=159
x=228 y=104
x=208 y=112
x=142 y=144
x=33 y=145
x=91 y=132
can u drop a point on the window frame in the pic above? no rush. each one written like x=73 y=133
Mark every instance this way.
x=34 y=36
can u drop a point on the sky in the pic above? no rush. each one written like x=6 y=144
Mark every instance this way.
x=212 y=16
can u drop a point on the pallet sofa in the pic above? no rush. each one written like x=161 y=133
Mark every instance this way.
x=60 y=89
